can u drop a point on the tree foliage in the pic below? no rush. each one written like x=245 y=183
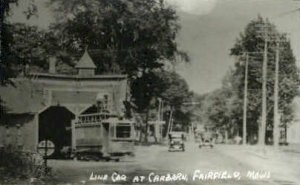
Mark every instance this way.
x=135 y=37
x=224 y=106
x=6 y=33
x=175 y=93
x=169 y=87
x=251 y=41
x=26 y=46
x=6 y=37
x=219 y=110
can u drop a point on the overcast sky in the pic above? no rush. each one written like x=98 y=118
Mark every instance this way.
x=209 y=30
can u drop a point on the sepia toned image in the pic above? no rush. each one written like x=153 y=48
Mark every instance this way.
x=186 y=92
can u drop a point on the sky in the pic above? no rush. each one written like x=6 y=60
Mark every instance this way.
x=210 y=31
x=209 y=28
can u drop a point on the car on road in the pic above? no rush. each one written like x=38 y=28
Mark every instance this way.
x=205 y=140
x=176 y=141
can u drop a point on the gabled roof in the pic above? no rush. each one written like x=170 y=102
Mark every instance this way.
x=85 y=62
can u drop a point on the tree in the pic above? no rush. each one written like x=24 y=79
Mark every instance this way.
x=135 y=37
x=6 y=34
x=175 y=93
x=217 y=110
x=223 y=107
x=167 y=86
x=27 y=46
x=251 y=41
x=6 y=69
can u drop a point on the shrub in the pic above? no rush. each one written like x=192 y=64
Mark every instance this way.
x=19 y=164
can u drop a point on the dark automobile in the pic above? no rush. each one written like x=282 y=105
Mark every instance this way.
x=176 y=141
x=206 y=139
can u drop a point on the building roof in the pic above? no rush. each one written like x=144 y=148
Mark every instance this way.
x=76 y=77
x=85 y=62
x=30 y=94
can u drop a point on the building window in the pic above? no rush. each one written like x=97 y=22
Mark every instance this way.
x=123 y=131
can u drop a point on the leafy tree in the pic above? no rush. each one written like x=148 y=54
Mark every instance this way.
x=27 y=46
x=223 y=107
x=135 y=37
x=217 y=110
x=170 y=88
x=251 y=41
x=175 y=93
x=6 y=69
x=6 y=34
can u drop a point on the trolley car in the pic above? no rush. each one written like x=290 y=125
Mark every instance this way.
x=102 y=136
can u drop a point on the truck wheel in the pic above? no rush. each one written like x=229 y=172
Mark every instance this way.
x=117 y=160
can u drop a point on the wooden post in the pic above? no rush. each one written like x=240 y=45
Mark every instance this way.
x=245 y=102
x=262 y=133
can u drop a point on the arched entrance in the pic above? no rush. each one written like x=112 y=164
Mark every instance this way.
x=55 y=125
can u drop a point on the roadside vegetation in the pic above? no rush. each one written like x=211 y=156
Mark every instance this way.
x=222 y=109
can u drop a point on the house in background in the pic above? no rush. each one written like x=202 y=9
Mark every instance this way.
x=42 y=105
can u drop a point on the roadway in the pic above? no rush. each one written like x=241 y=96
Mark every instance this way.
x=154 y=163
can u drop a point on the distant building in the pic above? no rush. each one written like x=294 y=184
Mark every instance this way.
x=42 y=105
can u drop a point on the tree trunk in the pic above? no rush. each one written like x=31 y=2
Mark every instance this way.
x=146 y=127
x=141 y=134
x=226 y=136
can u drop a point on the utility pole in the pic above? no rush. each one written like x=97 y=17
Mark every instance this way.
x=276 y=120
x=262 y=131
x=245 y=101
x=246 y=56
x=276 y=92
x=170 y=121
x=159 y=109
x=262 y=135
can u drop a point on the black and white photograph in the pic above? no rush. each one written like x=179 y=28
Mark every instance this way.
x=140 y=92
